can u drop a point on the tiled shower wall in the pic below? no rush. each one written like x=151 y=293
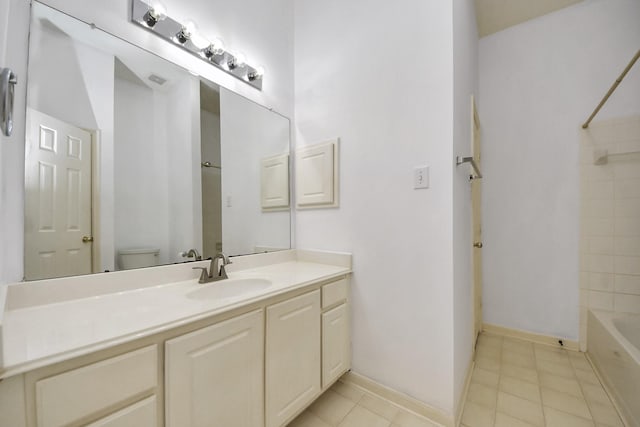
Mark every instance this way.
x=610 y=218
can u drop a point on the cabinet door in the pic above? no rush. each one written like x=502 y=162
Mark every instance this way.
x=214 y=376
x=336 y=346
x=292 y=357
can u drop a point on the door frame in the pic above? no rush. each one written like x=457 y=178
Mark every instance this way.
x=96 y=140
x=477 y=319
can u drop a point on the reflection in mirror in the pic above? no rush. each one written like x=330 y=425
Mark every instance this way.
x=132 y=161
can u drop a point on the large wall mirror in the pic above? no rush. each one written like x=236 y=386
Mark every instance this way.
x=132 y=161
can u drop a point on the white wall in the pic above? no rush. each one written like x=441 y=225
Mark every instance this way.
x=248 y=134
x=211 y=184
x=538 y=82
x=183 y=162
x=465 y=84
x=391 y=116
x=14 y=19
x=56 y=75
x=141 y=190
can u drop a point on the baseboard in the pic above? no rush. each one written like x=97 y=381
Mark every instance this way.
x=463 y=397
x=530 y=336
x=399 y=399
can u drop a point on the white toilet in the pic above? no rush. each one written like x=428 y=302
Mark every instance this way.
x=137 y=258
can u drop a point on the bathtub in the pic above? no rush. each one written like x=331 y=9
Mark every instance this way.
x=613 y=345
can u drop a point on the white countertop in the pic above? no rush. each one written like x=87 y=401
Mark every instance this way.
x=39 y=335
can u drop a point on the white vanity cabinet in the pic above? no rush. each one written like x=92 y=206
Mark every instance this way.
x=292 y=357
x=336 y=337
x=214 y=376
x=258 y=366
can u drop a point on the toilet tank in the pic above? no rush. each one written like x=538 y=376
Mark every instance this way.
x=138 y=258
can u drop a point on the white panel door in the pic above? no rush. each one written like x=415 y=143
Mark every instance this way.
x=57 y=198
x=292 y=357
x=336 y=345
x=214 y=376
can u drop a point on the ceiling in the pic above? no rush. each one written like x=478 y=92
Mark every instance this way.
x=496 y=15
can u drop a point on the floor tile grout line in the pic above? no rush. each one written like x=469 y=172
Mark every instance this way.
x=544 y=414
x=345 y=415
x=495 y=411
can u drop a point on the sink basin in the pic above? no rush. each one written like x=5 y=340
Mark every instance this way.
x=229 y=288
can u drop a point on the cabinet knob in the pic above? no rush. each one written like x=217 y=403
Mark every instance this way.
x=477 y=245
x=87 y=239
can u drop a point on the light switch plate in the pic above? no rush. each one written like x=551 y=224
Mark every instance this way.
x=421 y=177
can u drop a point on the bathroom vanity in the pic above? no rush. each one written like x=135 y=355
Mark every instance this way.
x=153 y=347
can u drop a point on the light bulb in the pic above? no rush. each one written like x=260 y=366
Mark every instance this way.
x=215 y=48
x=188 y=29
x=156 y=13
x=241 y=60
x=238 y=60
x=257 y=74
x=159 y=10
x=199 y=40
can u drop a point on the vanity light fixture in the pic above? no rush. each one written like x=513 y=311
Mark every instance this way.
x=152 y=15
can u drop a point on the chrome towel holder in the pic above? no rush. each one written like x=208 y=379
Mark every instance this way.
x=8 y=80
x=460 y=160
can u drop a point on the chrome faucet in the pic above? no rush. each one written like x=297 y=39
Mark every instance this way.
x=192 y=253
x=221 y=273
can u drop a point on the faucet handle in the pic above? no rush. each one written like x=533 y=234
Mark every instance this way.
x=204 y=275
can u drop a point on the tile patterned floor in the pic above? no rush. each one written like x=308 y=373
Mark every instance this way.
x=515 y=383
x=518 y=383
x=344 y=405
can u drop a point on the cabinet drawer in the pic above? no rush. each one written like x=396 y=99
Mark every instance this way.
x=334 y=292
x=141 y=414
x=80 y=393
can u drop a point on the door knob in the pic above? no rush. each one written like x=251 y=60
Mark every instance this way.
x=87 y=239
x=477 y=245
